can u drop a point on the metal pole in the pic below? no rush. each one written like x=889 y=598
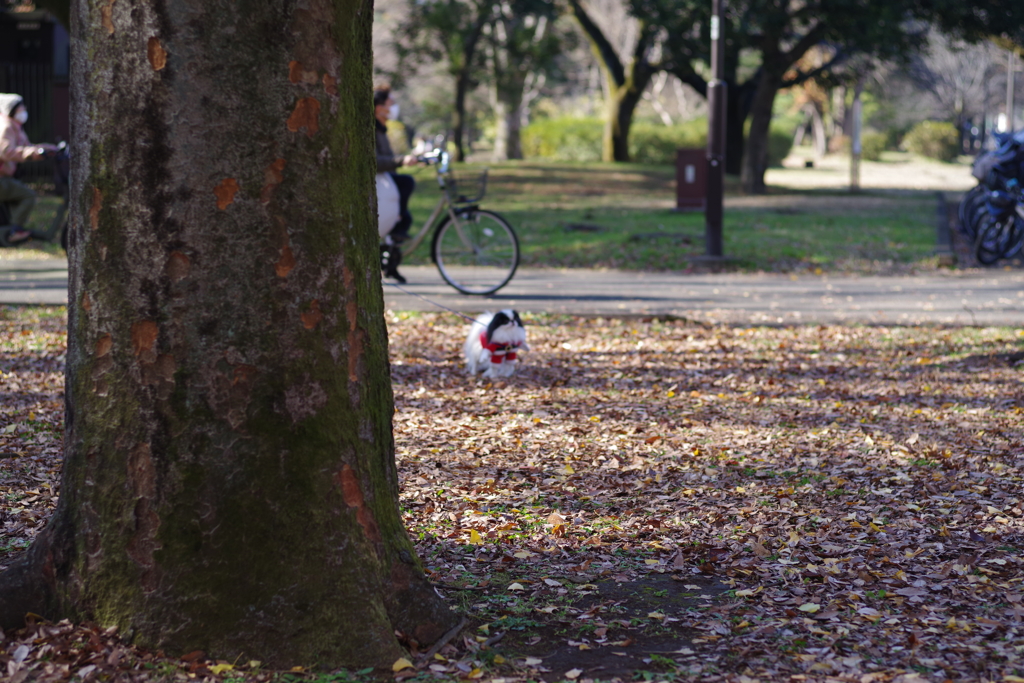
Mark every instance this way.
x=855 y=143
x=716 y=134
x=1010 y=78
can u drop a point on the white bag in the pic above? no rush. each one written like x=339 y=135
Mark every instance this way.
x=388 y=209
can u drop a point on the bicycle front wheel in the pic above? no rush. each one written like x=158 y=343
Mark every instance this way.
x=998 y=239
x=969 y=211
x=478 y=254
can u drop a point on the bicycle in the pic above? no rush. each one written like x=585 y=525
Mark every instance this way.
x=58 y=230
x=475 y=250
x=1000 y=229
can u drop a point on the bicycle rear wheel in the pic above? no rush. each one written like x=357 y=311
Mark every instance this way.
x=998 y=239
x=477 y=255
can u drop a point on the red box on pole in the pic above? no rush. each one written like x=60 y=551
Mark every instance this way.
x=691 y=179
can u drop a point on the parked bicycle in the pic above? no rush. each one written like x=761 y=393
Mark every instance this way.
x=475 y=250
x=57 y=232
x=991 y=214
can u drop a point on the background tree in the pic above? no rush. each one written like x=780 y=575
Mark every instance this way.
x=782 y=33
x=625 y=77
x=521 y=47
x=957 y=74
x=229 y=481
x=686 y=55
x=449 y=30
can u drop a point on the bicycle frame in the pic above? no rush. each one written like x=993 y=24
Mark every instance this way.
x=429 y=225
x=442 y=204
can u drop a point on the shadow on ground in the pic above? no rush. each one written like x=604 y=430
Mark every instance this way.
x=638 y=632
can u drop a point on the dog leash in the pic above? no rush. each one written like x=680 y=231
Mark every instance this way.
x=420 y=296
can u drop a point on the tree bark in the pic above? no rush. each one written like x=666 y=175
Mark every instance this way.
x=508 y=113
x=756 y=161
x=464 y=79
x=229 y=481
x=621 y=105
x=625 y=83
x=459 y=116
x=737 y=108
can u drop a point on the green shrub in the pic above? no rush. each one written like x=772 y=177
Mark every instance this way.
x=579 y=139
x=934 y=139
x=872 y=145
x=780 y=141
x=563 y=139
x=655 y=143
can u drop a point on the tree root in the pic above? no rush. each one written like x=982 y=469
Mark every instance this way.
x=27 y=587
x=445 y=639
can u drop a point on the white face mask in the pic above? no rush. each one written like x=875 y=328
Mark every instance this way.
x=393 y=112
x=21 y=117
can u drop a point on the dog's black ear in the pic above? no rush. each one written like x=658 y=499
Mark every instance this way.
x=516 y=319
x=497 y=321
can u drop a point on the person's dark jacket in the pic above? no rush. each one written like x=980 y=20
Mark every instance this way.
x=386 y=159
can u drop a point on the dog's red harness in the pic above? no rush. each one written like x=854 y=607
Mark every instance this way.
x=500 y=352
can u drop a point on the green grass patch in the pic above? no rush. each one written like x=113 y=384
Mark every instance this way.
x=576 y=214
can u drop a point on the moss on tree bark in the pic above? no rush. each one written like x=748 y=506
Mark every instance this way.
x=229 y=478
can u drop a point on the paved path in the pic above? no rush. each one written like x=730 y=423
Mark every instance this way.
x=993 y=297
x=989 y=297
x=25 y=281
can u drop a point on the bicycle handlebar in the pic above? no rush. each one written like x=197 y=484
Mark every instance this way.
x=436 y=156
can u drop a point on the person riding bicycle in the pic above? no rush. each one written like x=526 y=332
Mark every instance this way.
x=384 y=108
x=15 y=148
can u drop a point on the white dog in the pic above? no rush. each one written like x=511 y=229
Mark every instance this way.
x=492 y=344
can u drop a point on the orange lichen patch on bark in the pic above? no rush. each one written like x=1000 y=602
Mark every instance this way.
x=86 y=302
x=103 y=345
x=305 y=115
x=243 y=375
x=143 y=543
x=156 y=53
x=107 y=16
x=351 y=311
x=94 y=210
x=272 y=177
x=178 y=267
x=330 y=85
x=286 y=263
x=144 y=334
x=313 y=316
x=296 y=74
x=353 y=495
x=225 y=192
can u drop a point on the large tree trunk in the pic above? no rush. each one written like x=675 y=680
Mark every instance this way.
x=737 y=108
x=229 y=481
x=508 y=123
x=756 y=161
x=459 y=115
x=507 y=101
x=624 y=83
x=621 y=104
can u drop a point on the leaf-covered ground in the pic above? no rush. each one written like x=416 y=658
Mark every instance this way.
x=651 y=500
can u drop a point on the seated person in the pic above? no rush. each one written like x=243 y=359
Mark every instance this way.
x=384 y=108
x=14 y=148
